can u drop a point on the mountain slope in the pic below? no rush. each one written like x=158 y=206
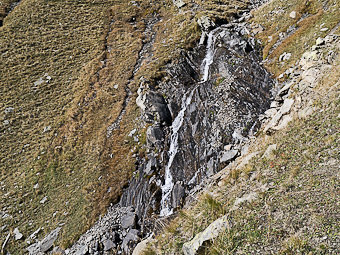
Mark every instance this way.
x=281 y=196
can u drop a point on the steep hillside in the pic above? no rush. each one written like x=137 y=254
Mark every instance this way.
x=115 y=114
x=69 y=76
x=280 y=196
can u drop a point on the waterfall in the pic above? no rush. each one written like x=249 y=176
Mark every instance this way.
x=167 y=188
x=166 y=209
x=209 y=57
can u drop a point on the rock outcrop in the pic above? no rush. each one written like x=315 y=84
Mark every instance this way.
x=198 y=117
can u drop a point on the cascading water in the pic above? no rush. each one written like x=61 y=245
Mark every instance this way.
x=209 y=57
x=166 y=209
x=167 y=188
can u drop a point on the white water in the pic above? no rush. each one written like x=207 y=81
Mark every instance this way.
x=167 y=188
x=209 y=57
x=166 y=209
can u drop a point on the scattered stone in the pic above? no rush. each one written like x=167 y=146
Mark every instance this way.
x=329 y=39
x=283 y=91
x=245 y=198
x=82 y=250
x=304 y=113
x=36 y=186
x=179 y=3
x=269 y=152
x=46 y=129
x=270 y=113
x=43 y=201
x=320 y=41
x=203 y=38
x=228 y=156
x=205 y=23
x=45 y=244
x=17 y=234
x=34 y=234
x=142 y=246
x=246 y=159
x=324 y=29
x=274 y=104
x=285 y=56
x=108 y=245
x=39 y=82
x=5 y=242
x=58 y=251
x=211 y=232
x=292 y=15
x=48 y=241
x=129 y=220
x=132 y=236
x=284 y=122
x=259 y=29
x=9 y=110
x=115 y=86
x=132 y=132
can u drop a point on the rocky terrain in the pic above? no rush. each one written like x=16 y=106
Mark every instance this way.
x=157 y=117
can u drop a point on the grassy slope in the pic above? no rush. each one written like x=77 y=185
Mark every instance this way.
x=40 y=37
x=71 y=161
x=311 y=17
x=299 y=213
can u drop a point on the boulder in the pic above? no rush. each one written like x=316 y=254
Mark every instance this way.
x=268 y=154
x=129 y=220
x=179 y=3
x=17 y=234
x=108 y=245
x=227 y=156
x=48 y=241
x=154 y=135
x=292 y=15
x=205 y=23
x=142 y=246
x=131 y=237
x=45 y=244
x=285 y=108
x=211 y=232
x=245 y=198
x=178 y=195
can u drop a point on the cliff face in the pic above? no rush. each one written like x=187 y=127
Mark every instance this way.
x=214 y=95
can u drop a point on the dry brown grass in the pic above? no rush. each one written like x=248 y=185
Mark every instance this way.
x=310 y=15
x=74 y=162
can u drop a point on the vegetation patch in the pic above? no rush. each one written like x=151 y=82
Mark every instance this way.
x=282 y=33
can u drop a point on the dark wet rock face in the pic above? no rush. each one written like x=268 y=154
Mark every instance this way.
x=198 y=117
x=204 y=111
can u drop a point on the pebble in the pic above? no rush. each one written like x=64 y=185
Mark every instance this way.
x=17 y=234
x=292 y=15
x=43 y=201
x=320 y=41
